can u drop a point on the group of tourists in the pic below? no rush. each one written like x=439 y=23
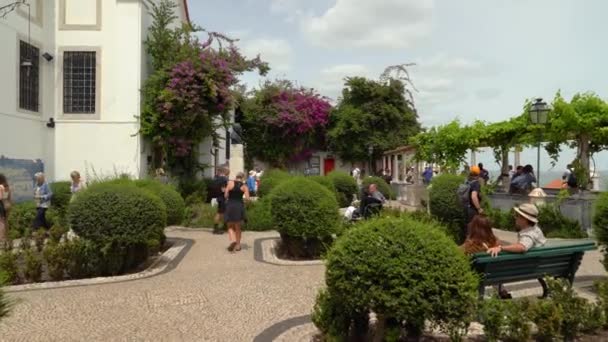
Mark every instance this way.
x=229 y=196
x=42 y=197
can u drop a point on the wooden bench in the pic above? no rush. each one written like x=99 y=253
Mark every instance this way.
x=557 y=258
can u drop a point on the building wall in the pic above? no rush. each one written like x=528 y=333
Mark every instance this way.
x=104 y=142
x=24 y=134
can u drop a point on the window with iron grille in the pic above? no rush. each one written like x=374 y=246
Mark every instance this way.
x=29 y=85
x=79 y=82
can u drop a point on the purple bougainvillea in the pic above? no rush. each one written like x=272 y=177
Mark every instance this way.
x=285 y=123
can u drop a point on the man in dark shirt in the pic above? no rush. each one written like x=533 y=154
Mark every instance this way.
x=483 y=174
x=219 y=185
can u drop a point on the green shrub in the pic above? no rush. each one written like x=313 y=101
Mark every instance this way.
x=492 y=312
x=600 y=224
x=39 y=237
x=555 y=225
x=576 y=311
x=60 y=200
x=501 y=219
x=200 y=216
x=114 y=212
x=84 y=259
x=548 y=317
x=5 y=303
x=406 y=270
x=517 y=321
x=8 y=264
x=270 y=179
x=505 y=320
x=22 y=216
x=56 y=233
x=303 y=208
x=326 y=182
x=602 y=299
x=258 y=215
x=193 y=190
x=56 y=257
x=383 y=186
x=445 y=205
x=33 y=266
x=329 y=316
x=172 y=199
x=346 y=187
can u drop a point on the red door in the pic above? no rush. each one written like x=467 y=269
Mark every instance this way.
x=328 y=165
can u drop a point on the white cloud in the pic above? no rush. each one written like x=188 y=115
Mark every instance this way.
x=370 y=23
x=277 y=52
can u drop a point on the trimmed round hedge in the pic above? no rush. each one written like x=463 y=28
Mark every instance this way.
x=303 y=208
x=405 y=270
x=383 y=187
x=61 y=195
x=258 y=215
x=174 y=202
x=123 y=213
x=600 y=224
x=346 y=187
x=270 y=179
x=326 y=182
x=445 y=204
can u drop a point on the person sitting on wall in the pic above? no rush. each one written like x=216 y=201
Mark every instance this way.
x=523 y=183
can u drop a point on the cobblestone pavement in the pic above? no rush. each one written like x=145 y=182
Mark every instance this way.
x=211 y=295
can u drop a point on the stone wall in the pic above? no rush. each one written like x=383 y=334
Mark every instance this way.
x=577 y=207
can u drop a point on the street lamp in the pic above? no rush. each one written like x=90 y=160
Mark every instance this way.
x=539 y=113
x=370 y=150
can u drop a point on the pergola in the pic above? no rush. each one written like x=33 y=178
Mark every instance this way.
x=399 y=160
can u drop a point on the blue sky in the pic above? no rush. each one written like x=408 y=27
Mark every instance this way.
x=475 y=59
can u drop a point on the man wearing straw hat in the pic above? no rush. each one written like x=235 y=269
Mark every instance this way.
x=528 y=233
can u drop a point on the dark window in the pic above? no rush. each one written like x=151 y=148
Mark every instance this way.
x=29 y=87
x=79 y=82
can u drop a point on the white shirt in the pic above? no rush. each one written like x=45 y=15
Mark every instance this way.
x=531 y=237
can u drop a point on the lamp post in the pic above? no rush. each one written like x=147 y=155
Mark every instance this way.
x=539 y=112
x=370 y=150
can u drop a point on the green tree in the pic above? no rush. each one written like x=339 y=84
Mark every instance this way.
x=447 y=145
x=581 y=124
x=190 y=92
x=371 y=113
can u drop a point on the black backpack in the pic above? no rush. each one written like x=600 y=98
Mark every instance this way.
x=572 y=180
x=219 y=182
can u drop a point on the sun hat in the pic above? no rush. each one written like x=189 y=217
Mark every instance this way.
x=474 y=170
x=528 y=211
x=252 y=173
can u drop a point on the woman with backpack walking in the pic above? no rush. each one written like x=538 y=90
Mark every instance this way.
x=470 y=196
x=235 y=191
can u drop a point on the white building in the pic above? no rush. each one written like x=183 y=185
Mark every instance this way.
x=70 y=90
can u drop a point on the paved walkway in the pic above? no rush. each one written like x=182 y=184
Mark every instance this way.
x=211 y=295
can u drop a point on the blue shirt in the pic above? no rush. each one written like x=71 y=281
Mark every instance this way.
x=45 y=193
x=251 y=183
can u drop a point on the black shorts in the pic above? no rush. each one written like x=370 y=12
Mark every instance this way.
x=221 y=205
